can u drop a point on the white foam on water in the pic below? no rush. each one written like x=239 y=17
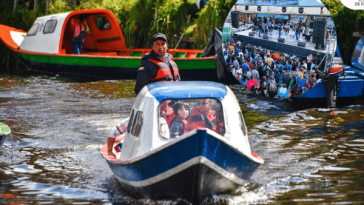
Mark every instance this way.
x=25 y=168
x=305 y=117
x=338 y=169
x=354 y=145
x=52 y=191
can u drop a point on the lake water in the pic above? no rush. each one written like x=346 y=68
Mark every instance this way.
x=58 y=128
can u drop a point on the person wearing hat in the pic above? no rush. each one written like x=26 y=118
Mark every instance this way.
x=157 y=65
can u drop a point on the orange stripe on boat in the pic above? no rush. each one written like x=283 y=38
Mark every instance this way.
x=334 y=70
x=5 y=36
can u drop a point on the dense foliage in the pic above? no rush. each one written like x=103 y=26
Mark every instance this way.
x=346 y=22
x=138 y=19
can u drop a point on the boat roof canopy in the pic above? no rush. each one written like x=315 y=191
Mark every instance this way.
x=53 y=33
x=180 y=90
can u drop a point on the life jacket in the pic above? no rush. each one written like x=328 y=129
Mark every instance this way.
x=276 y=56
x=80 y=29
x=164 y=71
x=196 y=121
x=308 y=85
x=295 y=92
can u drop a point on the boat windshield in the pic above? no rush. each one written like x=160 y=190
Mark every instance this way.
x=179 y=116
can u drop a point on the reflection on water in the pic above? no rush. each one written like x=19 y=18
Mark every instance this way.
x=59 y=127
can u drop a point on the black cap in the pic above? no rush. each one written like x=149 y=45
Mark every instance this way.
x=159 y=36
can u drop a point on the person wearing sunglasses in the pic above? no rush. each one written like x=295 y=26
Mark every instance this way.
x=202 y=116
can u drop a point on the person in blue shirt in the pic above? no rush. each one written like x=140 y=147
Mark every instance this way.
x=234 y=71
x=302 y=83
x=260 y=26
x=277 y=77
x=243 y=79
x=297 y=32
x=226 y=57
x=280 y=29
x=288 y=66
x=271 y=26
x=245 y=67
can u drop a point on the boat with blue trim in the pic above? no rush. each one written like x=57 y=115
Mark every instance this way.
x=211 y=155
x=340 y=85
x=47 y=47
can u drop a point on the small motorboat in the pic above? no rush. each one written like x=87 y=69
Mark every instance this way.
x=4 y=132
x=209 y=155
x=47 y=47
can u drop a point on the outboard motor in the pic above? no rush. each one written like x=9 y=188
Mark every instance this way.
x=331 y=81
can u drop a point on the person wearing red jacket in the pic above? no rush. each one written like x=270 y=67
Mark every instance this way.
x=157 y=65
x=79 y=34
x=202 y=116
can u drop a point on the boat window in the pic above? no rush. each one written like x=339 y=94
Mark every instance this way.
x=137 y=124
x=242 y=123
x=50 y=26
x=102 y=23
x=33 y=30
x=130 y=121
x=184 y=115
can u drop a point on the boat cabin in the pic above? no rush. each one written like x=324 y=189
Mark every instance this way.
x=53 y=33
x=167 y=112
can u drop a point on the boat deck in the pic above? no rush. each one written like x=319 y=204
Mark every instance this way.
x=290 y=45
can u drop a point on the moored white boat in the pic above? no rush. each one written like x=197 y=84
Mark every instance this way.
x=47 y=47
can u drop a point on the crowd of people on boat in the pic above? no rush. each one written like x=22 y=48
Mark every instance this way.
x=264 y=71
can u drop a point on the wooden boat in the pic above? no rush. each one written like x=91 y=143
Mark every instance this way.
x=47 y=47
x=4 y=132
x=192 y=166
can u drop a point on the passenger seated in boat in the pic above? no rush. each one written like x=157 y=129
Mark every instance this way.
x=179 y=123
x=312 y=78
x=295 y=87
x=203 y=117
x=166 y=111
x=116 y=131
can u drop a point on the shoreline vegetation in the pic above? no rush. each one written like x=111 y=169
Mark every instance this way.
x=138 y=20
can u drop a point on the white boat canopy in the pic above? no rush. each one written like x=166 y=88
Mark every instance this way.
x=146 y=129
x=53 y=33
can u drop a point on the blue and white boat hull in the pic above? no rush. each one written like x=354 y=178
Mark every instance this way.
x=192 y=167
x=351 y=90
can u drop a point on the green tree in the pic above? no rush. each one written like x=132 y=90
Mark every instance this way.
x=347 y=22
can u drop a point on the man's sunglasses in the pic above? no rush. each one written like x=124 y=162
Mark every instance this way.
x=202 y=102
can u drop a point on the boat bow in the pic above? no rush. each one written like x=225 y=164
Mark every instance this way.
x=11 y=37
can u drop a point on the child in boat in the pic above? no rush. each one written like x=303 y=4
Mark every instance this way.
x=179 y=123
